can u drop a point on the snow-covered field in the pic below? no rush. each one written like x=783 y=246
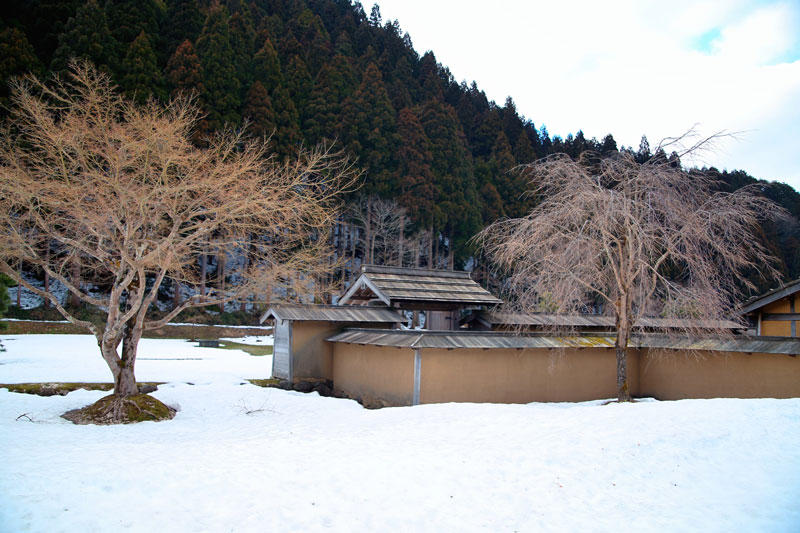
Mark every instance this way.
x=242 y=458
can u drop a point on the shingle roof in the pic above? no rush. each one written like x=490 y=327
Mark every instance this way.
x=498 y=340
x=391 y=284
x=602 y=321
x=333 y=313
x=771 y=296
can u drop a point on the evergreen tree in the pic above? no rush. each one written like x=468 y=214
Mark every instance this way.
x=336 y=82
x=221 y=84
x=298 y=82
x=267 y=66
x=129 y=18
x=512 y=122
x=523 y=150
x=142 y=78
x=311 y=33
x=183 y=21
x=86 y=36
x=17 y=57
x=608 y=146
x=184 y=72
x=243 y=39
x=287 y=122
x=370 y=131
x=414 y=176
x=258 y=111
x=456 y=212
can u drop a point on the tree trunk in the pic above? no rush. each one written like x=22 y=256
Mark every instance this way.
x=203 y=265
x=221 y=277
x=19 y=286
x=451 y=264
x=621 y=347
x=176 y=293
x=74 y=299
x=434 y=250
x=47 y=276
x=124 y=379
x=400 y=243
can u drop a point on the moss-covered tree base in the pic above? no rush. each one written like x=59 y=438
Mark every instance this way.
x=114 y=409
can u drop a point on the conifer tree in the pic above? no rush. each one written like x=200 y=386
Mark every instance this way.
x=287 y=121
x=370 y=130
x=298 y=82
x=183 y=21
x=311 y=33
x=456 y=212
x=258 y=111
x=184 y=72
x=523 y=150
x=414 y=176
x=221 y=84
x=267 y=66
x=335 y=83
x=87 y=36
x=129 y=18
x=142 y=78
x=17 y=58
x=243 y=39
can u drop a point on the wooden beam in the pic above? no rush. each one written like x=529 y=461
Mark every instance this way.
x=784 y=317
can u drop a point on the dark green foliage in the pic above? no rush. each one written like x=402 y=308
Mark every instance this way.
x=414 y=175
x=258 y=111
x=267 y=66
x=370 y=131
x=221 y=84
x=17 y=58
x=287 y=121
x=5 y=282
x=324 y=70
x=142 y=78
x=87 y=36
x=183 y=21
x=129 y=18
x=298 y=83
x=336 y=82
x=184 y=72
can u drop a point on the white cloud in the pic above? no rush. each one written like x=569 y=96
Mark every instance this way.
x=632 y=68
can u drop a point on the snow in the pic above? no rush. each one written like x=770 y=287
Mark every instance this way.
x=242 y=458
x=253 y=340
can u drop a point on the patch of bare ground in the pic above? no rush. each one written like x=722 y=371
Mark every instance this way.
x=113 y=409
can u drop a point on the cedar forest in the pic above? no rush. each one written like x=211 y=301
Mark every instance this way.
x=435 y=152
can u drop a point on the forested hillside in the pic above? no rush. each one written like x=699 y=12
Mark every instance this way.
x=435 y=150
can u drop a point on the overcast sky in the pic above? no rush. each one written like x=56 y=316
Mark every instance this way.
x=631 y=68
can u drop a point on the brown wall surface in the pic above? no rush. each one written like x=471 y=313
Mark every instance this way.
x=377 y=375
x=557 y=375
x=312 y=356
x=520 y=376
x=780 y=328
x=678 y=375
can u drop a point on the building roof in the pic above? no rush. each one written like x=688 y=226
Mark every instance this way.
x=333 y=313
x=497 y=340
x=393 y=284
x=598 y=321
x=767 y=298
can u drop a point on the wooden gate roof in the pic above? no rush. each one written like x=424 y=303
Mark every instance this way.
x=394 y=285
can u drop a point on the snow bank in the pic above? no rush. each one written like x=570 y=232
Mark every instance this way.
x=243 y=458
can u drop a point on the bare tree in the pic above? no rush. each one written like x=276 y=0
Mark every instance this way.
x=384 y=222
x=120 y=191
x=644 y=239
